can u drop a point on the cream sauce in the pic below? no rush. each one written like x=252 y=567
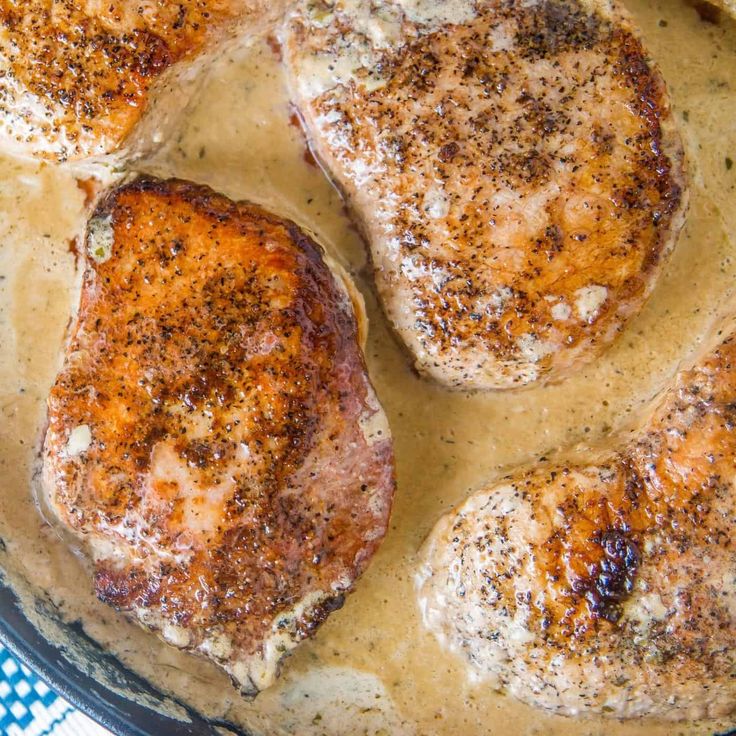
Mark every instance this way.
x=371 y=668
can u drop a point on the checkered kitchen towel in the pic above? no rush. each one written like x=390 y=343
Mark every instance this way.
x=29 y=708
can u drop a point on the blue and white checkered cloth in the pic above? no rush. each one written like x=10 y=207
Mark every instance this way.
x=29 y=708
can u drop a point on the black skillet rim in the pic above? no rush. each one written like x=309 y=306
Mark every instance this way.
x=120 y=715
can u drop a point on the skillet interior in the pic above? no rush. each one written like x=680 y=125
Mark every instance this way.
x=434 y=428
x=122 y=714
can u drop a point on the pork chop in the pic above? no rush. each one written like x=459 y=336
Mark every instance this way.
x=214 y=443
x=85 y=78
x=513 y=164
x=606 y=583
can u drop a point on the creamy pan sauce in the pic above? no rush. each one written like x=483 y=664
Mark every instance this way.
x=371 y=669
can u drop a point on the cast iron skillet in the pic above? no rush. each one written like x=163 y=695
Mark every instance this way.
x=122 y=716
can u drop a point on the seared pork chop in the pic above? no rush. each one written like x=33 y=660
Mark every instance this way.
x=513 y=164
x=214 y=442
x=606 y=583
x=84 y=78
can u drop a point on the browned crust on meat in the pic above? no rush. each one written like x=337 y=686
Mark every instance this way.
x=91 y=65
x=230 y=474
x=618 y=567
x=443 y=115
x=665 y=501
x=674 y=482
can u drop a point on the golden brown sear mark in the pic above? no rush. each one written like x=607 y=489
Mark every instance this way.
x=515 y=171
x=607 y=583
x=214 y=440
x=80 y=74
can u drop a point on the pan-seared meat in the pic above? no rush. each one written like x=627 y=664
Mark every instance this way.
x=214 y=442
x=84 y=78
x=512 y=163
x=606 y=583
